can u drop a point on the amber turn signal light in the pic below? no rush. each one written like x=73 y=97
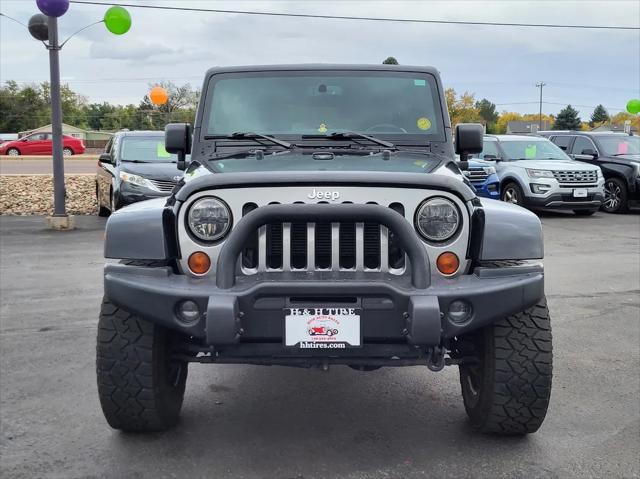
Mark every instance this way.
x=448 y=263
x=199 y=262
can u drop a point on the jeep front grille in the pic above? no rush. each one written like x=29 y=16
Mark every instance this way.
x=166 y=186
x=476 y=175
x=573 y=177
x=323 y=247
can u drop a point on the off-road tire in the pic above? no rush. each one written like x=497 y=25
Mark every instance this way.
x=140 y=390
x=507 y=392
x=584 y=212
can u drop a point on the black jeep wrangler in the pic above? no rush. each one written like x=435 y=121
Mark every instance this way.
x=323 y=220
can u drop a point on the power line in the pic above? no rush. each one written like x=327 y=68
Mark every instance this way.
x=370 y=19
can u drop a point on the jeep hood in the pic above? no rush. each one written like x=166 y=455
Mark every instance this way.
x=196 y=180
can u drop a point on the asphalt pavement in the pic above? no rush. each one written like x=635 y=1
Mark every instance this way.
x=45 y=167
x=280 y=423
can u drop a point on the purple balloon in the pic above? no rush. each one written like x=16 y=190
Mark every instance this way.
x=53 y=8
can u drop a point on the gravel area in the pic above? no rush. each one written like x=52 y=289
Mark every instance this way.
x=33 y=195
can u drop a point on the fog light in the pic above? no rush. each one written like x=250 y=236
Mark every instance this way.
x=459 y=311
x=539 y=188
x=188 y=311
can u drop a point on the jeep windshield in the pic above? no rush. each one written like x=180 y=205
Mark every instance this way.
x=399 y=107
x=532 y=149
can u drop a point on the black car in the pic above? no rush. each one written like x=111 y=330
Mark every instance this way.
x=617 y=155
x=134 y=167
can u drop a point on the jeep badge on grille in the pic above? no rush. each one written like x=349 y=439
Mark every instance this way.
x=324 y=195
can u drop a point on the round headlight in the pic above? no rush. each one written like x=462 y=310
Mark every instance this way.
x=437 y=219
x=209 y=219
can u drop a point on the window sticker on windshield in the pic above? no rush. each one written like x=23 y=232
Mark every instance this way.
x=530 y=151
x=322 y=128
x=420 y=163
x=162 y=153
x=420 y=82
x=423 y=123
x=623 y=148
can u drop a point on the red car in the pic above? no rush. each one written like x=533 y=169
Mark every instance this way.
x=322 y=331
x=41 y=144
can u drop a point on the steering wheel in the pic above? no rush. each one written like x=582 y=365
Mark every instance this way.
x=386 y=126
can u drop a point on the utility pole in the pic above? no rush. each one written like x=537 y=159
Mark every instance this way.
x=540 y=85
x=59 y=192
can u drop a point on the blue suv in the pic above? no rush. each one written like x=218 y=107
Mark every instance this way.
x=484 y=179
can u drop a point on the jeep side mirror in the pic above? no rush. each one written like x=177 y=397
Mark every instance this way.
x=105 y=158
x=177 y=140
x=469 y=137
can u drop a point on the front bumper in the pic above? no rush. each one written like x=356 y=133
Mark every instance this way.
x=555 y=195
x=243 y=316
x=593 y=201
x=488 y=189
x=393 y=311
x=127 y=195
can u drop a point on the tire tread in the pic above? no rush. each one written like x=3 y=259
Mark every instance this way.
x=128 y=382
x=522 y=362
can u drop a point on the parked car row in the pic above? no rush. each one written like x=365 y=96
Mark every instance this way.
x=576 y=171
x=616 y=154
x=536 y=174
x=41 y=144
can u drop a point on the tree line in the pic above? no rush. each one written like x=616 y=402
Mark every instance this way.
x=28 y=106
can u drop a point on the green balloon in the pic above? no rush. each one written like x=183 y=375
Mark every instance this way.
x=117 y=20
x=633 y=106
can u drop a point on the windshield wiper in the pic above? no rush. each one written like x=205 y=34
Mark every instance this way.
x=239 y=135
x=259 y=154
x=353 y=134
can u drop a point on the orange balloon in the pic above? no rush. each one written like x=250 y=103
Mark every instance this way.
x=158 y=95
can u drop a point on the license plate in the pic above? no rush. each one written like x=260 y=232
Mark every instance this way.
x=580 y=193
x=322 y=328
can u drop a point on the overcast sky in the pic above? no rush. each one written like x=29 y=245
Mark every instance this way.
x=581 y=67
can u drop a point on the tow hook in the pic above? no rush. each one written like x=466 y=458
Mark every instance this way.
x=435 y=360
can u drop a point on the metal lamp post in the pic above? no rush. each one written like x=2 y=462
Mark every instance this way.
x=44 y=27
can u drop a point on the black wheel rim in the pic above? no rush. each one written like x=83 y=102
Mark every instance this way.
x=612 y=194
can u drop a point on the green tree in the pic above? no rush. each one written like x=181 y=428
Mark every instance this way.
x=567 y=119
x=488 y=113
x=390 y=61
x=599 y=116
x=504 y=119
x=22 y=107
x=181 y=106
x=462 y=109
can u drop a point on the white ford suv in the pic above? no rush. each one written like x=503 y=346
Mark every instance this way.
x=536 y=174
